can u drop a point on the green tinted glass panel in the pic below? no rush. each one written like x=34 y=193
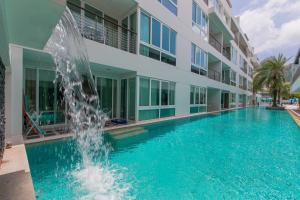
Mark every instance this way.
x=148 y=114
x=164 y=93
x=144 y=91
x=30 y=90
x=168 y=112
x=154 y=93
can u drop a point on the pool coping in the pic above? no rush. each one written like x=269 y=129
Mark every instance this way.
x=295 y=116
x=15 y=177
x=141 y=123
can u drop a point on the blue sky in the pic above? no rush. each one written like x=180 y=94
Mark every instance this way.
x=273 y=26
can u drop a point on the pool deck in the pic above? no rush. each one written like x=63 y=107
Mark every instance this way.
x=141 y=123
x=15 y=178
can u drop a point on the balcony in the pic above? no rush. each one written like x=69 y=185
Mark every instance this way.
x=214 y=75
x=104 y=30
x=227 y=53
x=215 y=43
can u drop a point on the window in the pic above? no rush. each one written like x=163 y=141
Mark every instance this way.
x=144 y=91
x=197 y=99
x=155 y=32
x=166 y=38
x=200 y=21
x=232 y=78
x=197 y=95
x=145 y=28
x=192 y=95
x=154 y=93
x=232 y=100
x=234 y=55
x=199 y=60
x=173 y=42
x=164 y=93
x=43 y=96
x=172 y=93
x=160 y=94
x=159 y=42
x=171 y=5
x=241 y=81
x=30 y=90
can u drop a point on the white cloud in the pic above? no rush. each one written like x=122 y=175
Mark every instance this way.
x=260 y=25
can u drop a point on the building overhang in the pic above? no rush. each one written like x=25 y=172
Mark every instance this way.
x=30 y=23
x=219 y=25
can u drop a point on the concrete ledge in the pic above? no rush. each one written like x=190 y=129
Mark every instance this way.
x=295 y=116
x=16 y=186
x=15 y=178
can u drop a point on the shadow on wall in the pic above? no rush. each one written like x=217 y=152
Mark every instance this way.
x=2 y=119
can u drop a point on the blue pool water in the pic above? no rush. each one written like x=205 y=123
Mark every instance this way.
x=247 y=154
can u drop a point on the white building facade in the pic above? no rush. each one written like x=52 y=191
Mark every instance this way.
x=150 y=58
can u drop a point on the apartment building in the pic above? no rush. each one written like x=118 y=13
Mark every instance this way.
x=150 y=58
x=295 y=74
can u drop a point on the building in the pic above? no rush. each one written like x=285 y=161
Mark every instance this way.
x=295 y=71
x=174 y=57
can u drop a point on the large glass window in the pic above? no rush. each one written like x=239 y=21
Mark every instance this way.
x=192 y=95
x=30 y=90
x=145 y=28
x=171 y=5
x=197 y=99
x=155 y=32
x=172 y=94
x=144 y=91
x=199 y=60
x=163 y=40
x=197 y=95
x=200 y=21
x=160 y=94
x=234 y=55
x=155 y=93
x=173 y=42
x=232 y=78
x=165 y=93
x=46 y=90
x=166 y=38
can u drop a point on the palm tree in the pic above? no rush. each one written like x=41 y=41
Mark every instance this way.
x=271 y=74
x=285 y=90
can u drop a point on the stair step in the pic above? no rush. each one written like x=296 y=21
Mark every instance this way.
x=129 y=134
x=125 y=130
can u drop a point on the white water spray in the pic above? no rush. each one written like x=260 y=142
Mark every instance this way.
x=68 y=50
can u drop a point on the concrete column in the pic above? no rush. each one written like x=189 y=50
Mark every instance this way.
x=14 y=96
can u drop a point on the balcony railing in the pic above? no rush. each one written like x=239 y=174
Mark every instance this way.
x=212 y=74
x=99 y=29
x=226 y=53
x=215 y=43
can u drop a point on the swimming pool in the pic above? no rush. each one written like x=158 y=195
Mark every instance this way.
x=247 y=154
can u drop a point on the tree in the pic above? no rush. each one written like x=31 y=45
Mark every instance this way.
x=271 y=75
x=285 y=90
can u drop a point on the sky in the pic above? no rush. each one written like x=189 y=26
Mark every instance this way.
x=273 y=26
